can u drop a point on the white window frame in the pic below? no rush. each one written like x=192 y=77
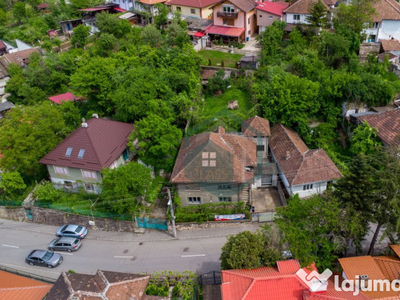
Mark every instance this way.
x=60 y=170
x=194 y=200
x=93 y=174
x=90 y=185
x=228 y=8
x=225 y=199
x=307 y=187
x=296 y=17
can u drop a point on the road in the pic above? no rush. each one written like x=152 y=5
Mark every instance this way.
x=194 y=250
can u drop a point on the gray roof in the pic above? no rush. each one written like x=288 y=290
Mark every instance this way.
x=6 y=106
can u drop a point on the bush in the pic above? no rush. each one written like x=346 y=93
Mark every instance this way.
x=240 y=46
x=222 y=64
x=209 y=62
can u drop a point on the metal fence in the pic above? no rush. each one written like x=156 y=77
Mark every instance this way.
x=263 y=217
x=27 y=274
x=151 y=223
x=213 y=277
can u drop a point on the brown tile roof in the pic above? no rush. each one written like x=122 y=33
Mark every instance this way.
x=19 y=57
x=386 y=10
x=15 y=287
x=193 y=3
x=256 y=126
x=396 y=249
x=299 y=164
x=245 y=5
x=302 y=7
x=233 y=153
x=103 y=285
x=388 y=125
x=103 y=141
x=382 y=56
x=390 y=45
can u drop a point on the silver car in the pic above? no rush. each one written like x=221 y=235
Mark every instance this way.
x=76 y=231
x=65 y=244
x=44 y=258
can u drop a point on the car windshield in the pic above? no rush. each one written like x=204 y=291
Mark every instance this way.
x=47 y=256
x=76 y=241
x=78 y=229
x=65 y=227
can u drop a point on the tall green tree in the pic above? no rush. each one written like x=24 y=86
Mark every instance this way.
x=365 y=140
x=318 y=16
x=151 y=36
x=111 y=24
x=161 y=18
x=19 y=11
x=12 y=184
x=271 y=41
x=80 y=35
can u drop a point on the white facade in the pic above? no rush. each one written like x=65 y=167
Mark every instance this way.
x=385 y=30
x=296 y=18
x=124 y=4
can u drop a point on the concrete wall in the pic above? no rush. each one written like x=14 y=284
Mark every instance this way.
x=209 y=193
x=124 y=4
x=318 y=188
x=265 y=19
x=289 y=19
x=389 y=29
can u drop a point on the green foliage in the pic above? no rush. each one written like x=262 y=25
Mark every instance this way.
x=318 y=16
x=111 y=24
x=365 y=140
x=176 y=34
x=19 y=11
x=106 y=43
x=3 y=17
x=217 y=83
x=80 y=35
x=12 y=184
x=271 y=41
x=206 y=212
x=161 y=17
x=151 y=36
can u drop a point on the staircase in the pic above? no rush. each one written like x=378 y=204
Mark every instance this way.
x=245 y=194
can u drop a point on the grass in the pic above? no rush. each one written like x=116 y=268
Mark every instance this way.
x=215 y=112
x=216 y=57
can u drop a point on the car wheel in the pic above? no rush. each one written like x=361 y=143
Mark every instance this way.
x=69 y=250
x=31 y=263
x=49 y=266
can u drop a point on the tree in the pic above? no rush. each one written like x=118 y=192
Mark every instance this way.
x=365 y=140
x=111 y=24
x=218 y=83
x=106 y=43
x=3 y=17
x=125 y=187
x=176 y=35
x=159 y=141
x=80 y=35
x=28 y=134
x=271 y=41
x=19 y=11
x=162 y=16
x=318 y=16
x=12 y=184
x=151 y=36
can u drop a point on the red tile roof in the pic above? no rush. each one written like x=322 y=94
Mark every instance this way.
x=151 y=2
x=386 y=10
x=222 y=30
x=256 y=126
x=103 y=141
x=303 y=7
x=20 y=56
x=15 y=287
x=299 y=164
x=42 y=5
x=275 y=8
x=390 y=45
x=388 y=125
x=63 y=97
x=193 y=3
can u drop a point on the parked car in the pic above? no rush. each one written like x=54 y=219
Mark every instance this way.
x=44 y=258
x=70 y=230
x=65 y=244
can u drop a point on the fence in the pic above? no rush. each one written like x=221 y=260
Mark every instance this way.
x=263 y=217
x=151 y=223
x=27 y=274
x=213 y=277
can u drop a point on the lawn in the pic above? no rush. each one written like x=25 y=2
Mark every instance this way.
x=215 y=112
x=216 y=57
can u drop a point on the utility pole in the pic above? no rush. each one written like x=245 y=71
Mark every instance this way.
x=172 y=212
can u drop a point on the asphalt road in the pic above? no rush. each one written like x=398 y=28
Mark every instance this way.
x=194 y=250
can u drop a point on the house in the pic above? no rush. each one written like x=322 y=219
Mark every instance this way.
x=79 y=159
x=280 y=282
x=14 y=286
x=3 y=48
x=268 y=12
x=224 y=167
x=5 y=107
x=233 y=20
x=298 y=12
x=386 y=22
x=193 y=8
x=105 y=285
x=68 y=25
x=392 y=46
x=302 y=171
x=20 y=58
x=387 y=124
x=392 y=58
x=144 y=7
x=58 y=99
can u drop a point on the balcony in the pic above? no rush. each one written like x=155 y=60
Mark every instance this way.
x=227 y=15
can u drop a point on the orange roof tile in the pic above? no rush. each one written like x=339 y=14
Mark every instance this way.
x=256 y=126
x=386 y=10
x=151 y=2
x=395 y=248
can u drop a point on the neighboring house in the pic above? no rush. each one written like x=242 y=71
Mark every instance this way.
x=5 y=107
x=3 y=48
x=193 y=8
x=278 y=283
x=58 y=99
x=224 y=167
x=104 y=285
x=18 y=287
x=20 y=58
x=79 y=159
x=68 y=25
x=268 y=12
x=233 y=20
x=298 y=12
x=392 y=46
x=392 y=58
x=124 y=4
x=386 y=22
x=302 y=171
x=147 y=6
x=387 y=124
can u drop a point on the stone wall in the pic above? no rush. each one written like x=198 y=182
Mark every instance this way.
x=58 y=218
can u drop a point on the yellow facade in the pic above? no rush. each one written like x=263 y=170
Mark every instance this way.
x=194 y=12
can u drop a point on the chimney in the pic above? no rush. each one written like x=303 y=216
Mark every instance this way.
x=364 y=281
x=84 y=124
x=95 y=116
x=287 y=155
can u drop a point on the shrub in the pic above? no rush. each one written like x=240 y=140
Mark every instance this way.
x=222 y=63
x=209 y=62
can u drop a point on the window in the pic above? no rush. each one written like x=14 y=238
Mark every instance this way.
x=376 y=25
x=61 y=170
x=89 y=174
x=68 y=152
x=125 y=154
x=89 y=187
x=178 y=8
x=248 y=21
x=270 y=17
x=81 y=153
x=194 y=199
x=68 y=184
x=260 y=16
x=192 y=11
x=307 y=187
x=260 y=148
x=249 y=32
x=223 y=187
x=296 y=17
x=229 y=22
x=266 y=180
x=225 y=199
x=228 y=8
x=208 y=159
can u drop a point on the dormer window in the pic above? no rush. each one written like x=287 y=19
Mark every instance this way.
x=81 y=153
x=209 y=159
x=68 y=152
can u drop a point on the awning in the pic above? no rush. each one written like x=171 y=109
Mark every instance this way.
x=227 y=31
x=93 y=9
x=127 y=15
x=119 y=9
x=199 y=34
